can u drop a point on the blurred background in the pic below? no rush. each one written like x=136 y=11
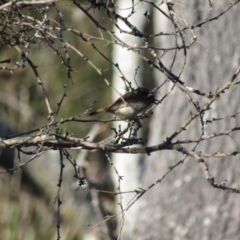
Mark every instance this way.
x=27 y=196
x=183 y=206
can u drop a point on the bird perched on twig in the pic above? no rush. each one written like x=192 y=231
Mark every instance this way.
x=130 y=104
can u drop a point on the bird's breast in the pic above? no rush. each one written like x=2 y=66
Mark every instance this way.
x=126 y=112
x=131 y=110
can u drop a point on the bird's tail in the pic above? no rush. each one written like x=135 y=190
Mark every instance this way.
x=96 y=112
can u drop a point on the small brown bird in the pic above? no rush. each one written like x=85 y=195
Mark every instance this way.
x=129 y=104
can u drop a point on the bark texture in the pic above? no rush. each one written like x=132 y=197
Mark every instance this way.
x=184 y=205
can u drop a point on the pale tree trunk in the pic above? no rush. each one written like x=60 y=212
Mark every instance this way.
x=184 y=205
x=127 y=165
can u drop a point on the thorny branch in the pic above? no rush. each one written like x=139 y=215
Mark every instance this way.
x=21 y=31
